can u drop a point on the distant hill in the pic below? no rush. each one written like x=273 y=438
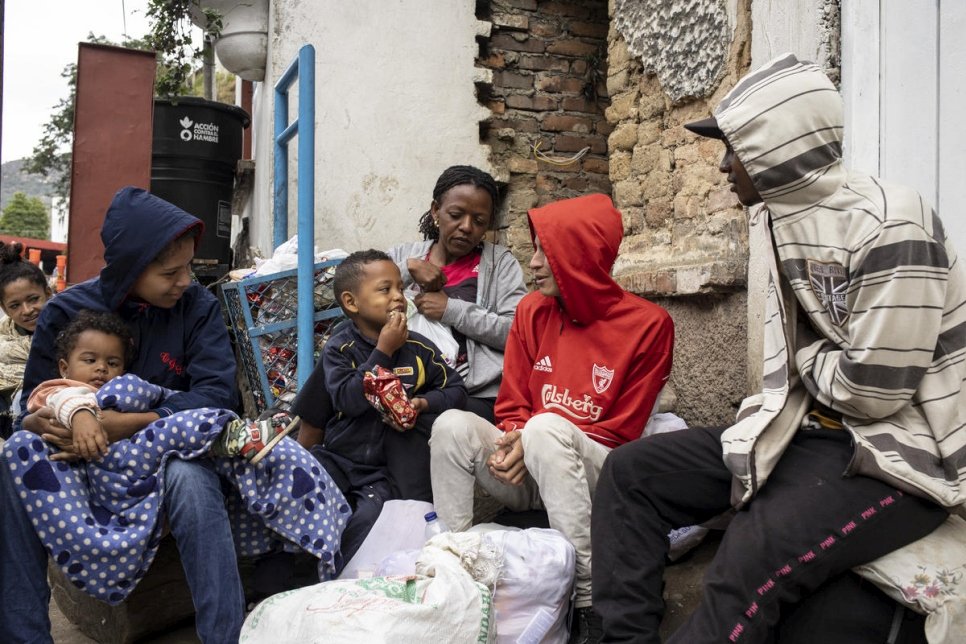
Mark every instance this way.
x=32 y=185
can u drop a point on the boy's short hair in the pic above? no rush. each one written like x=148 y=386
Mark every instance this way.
x=103 y=321
x=192 y=232
x=350 y=272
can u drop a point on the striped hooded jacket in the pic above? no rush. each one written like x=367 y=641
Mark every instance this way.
x=866 y=304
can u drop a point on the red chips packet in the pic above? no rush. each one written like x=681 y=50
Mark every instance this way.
x=385 y=392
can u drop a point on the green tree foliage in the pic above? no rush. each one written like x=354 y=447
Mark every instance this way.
x=170 y=37
x=224 y=86
x=25 y=217
x=51 y=156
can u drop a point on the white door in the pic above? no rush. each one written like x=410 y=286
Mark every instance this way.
x=904 y=82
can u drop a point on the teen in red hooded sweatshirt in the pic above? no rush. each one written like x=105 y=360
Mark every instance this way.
x=583 y=367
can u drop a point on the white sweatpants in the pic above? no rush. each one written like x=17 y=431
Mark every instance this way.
x=562 y=462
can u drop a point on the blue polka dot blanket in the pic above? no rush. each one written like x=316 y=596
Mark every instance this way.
x=101 y=520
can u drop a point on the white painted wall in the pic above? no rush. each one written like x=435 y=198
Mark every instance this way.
x=777 y=27
x=902 y=76
x=395 y=105
x=58 y=220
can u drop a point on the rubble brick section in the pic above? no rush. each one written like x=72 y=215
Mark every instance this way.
x=548 y=62
x=685 y=235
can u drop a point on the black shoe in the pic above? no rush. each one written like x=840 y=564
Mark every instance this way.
x=588 y=628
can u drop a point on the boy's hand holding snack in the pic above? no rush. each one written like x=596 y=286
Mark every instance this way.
x=394 y=333
x=385 y=392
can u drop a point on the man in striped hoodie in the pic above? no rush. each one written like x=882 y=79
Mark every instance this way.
x=856 y=445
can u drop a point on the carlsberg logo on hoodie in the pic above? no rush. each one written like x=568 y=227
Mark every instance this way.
x=584 y=409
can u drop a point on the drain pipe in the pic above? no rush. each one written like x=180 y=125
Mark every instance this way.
x=208 y=67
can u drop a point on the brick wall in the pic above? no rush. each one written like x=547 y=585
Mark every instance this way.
x=562 y=77
x=548 y=89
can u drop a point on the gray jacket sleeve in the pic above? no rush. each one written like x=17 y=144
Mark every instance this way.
x=489 y=321
x=401 y=253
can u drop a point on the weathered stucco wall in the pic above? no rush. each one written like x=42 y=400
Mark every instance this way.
x=708 y=378
x=684 y=43
x=685 y=234
x=395 y=105
x=670 y=62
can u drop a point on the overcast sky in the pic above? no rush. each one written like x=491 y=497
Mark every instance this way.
x=40 y=37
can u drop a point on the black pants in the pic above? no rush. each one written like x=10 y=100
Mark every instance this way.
x=366 y=488
x=407 y=460
x=848 y=610
x=366 y=502
x=807 y=525
x=407 y=453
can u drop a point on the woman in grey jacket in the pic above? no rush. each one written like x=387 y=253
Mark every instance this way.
x=470 y=285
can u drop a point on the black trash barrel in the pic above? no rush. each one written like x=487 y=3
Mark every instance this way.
x=197 y=144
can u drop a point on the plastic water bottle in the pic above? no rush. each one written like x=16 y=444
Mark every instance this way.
x=434 y=525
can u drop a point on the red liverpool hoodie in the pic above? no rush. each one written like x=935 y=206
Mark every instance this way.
x=596 y=355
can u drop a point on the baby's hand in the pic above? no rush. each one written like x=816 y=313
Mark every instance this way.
x=389 y=420
x=90 y=439
x=419 y=405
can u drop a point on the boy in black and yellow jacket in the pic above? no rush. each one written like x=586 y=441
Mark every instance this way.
x=370 y=460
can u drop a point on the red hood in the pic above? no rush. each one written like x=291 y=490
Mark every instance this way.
x=581 y=238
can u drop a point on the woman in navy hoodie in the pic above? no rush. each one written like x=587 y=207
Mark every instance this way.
x=181 y=344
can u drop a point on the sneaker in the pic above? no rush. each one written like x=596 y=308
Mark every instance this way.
x=253 y=439
x=588 y=629
x=683 y=540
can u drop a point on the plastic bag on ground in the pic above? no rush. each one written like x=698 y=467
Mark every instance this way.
x=400 y=527
x=928 y=576
x=533 y=591
x=443 y=603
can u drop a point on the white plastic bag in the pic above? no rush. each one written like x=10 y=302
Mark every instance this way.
x=682 y=540
x=399 y=563
x=663 y=423
x=533 y=591
x=436 y=332
x=447 y=601
x=286 y=257
x=400 y=527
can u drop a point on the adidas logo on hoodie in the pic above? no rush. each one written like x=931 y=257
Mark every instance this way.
x=543 y=364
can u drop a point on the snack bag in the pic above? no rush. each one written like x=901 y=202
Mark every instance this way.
x=385 y=392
